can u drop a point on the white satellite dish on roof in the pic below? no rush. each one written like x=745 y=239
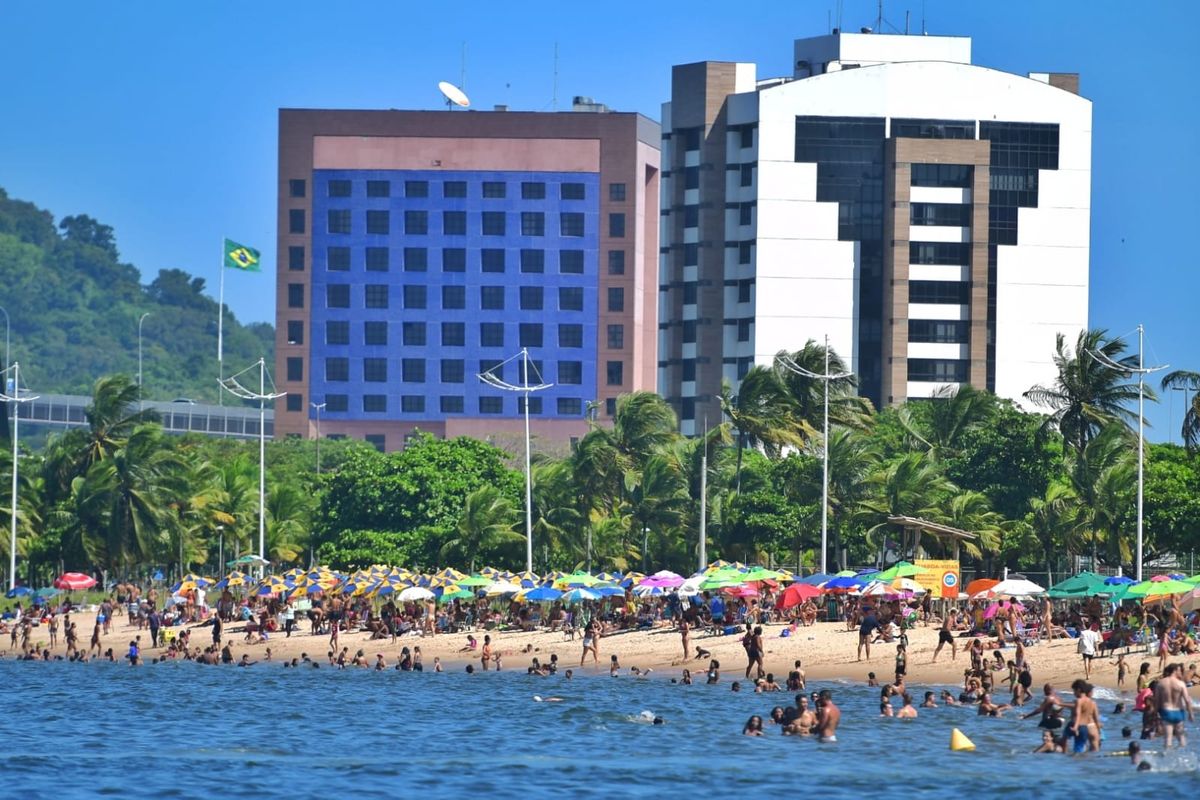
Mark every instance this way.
x=454 y=95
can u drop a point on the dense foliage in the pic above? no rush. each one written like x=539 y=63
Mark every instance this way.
x=74 y=308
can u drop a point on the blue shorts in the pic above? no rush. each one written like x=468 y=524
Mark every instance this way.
x=1172 y=716
x=1081 y=740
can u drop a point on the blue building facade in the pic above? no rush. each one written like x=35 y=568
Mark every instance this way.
x=422 y=279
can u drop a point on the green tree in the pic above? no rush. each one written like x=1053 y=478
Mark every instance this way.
x=761 y=415
x=1190 y=428
x=486 y=525
x=807 y=394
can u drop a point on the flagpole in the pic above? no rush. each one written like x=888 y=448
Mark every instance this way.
x=221 y=327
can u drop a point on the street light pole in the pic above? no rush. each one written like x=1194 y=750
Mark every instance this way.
x=15 y=398
x=6 y=333
x=318 y=407
x=221 y=548
x=790 y=364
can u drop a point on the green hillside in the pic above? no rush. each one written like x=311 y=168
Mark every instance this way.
x=74 y=307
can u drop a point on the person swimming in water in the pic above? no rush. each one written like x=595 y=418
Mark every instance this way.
x=828 y=717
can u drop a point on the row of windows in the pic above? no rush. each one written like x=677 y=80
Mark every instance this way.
x=415 y=334
x=956 y=176
x=491 y=298
x=955 y=253
x=938 y=331
x=447 y=404
x=940 y=292
x=953 y=214
x=454 y=223
x=933 y=128
x=938 y=370
x=450 y=370
x=530 y=190
x=454 y=259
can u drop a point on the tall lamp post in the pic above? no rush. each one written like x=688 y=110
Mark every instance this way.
x=221 y=548
x=788 y=363
x=317 y=407
x=236 y=389
x=1141 y=371
x=14 y=397
x=492 y=378
x=141 y=319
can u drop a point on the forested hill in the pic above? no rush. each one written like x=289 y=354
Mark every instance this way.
x=74 y=307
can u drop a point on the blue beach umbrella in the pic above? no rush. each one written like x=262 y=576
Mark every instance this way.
x=815 y=580
x=48 y=591
x=609 y=591
x=580 y=594
x=18 y=591
x=1118 y=580
x=542 y=594
x=846 y=583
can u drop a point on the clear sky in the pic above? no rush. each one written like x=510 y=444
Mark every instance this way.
x=160 y=118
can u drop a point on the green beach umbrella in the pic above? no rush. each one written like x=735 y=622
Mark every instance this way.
x=1159 y=588
x=901 y=569
x=1085 y=584
x=761 y=574
x=475 y=580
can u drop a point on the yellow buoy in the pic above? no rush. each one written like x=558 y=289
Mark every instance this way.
x=959 y=741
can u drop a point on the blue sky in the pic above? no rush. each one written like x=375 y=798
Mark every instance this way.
x=160 y=118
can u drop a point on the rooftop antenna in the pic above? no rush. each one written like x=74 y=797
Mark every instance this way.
x=454 y=95
x=879 y=18
x=923 y=32
x=554 y=99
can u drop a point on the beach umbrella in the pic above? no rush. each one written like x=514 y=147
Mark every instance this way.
x=1125 y=580
x=608 y=577
x=650 y=591
x=979 y=585
x=664 y=579
x=608 y=591
x=526 y=579
x=815 y=579
x=868 y=572
x=901 y=569
x=756 y=574
x=72 y=581
x=1153 y=588
x=716 y=565
x=1085 y=584
x=504 y=587
x=844 y=584
x=1191 y=601
x=579 y=595
x=846 y=573
x=475 y=580
x=458 y=594
x=47 y=591
x=410 y=593
x=741 y=591
x=248 y=559
x=796 y=594
x=18 y=591
x=1015 y=587
x=576 y=579
x=541 y=594
x=907 y=585
x=631 y=578
x=722 y=580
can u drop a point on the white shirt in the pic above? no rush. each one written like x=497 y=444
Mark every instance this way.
x=1089 y=640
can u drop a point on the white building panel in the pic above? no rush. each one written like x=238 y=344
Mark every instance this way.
x=925 y=389
x=796 y=219
x=940 y=350
x=937 y=311
x=939 y=194
x=938 y=272
x=938 y=233
x=787 y=180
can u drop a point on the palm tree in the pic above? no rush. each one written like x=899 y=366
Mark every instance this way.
x=1087 y=394
x=288 y=514
x=761 y=413
x=1190 y=381
x=972 y=511
x=807 y=394
x=1054 y=520
x=487 y=522
x=658 y=502
x=911 y=486
x=852 y=459
x=938 y=424
x=1103 y=476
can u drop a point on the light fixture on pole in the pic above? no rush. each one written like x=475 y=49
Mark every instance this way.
x=491 y=378
x=318 y=407
x=12 y=394
x=788 y=363
x=1141 y=371
x=236 y=389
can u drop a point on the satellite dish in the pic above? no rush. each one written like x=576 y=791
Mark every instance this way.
x=454 y=95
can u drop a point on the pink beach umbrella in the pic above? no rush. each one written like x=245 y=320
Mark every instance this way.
x=664 y=579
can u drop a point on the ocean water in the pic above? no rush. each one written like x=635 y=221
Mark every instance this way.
x=186 y=731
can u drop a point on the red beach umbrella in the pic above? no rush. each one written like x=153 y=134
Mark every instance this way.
x=797 y=593
x=74 y=580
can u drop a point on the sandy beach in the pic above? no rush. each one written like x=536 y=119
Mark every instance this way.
x=826 y=649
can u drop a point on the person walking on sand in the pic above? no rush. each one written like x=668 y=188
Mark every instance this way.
x=868 y=626
x=684 y=630
x=95 y=644
x=333 y=632
x=946 y=636
x=1089 y=646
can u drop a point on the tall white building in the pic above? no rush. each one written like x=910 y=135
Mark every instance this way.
x=929 y=215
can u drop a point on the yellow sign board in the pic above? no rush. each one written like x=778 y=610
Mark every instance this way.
x=941 y=578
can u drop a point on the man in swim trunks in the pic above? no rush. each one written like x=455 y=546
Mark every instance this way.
x=867 y=627
x=1173 y=704
x=946 y=637
x=828 y=717
x=1085 y=718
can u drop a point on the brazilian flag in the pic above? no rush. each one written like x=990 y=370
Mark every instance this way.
x=239 y=256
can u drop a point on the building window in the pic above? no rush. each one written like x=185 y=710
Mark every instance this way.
x=691 y=216
x=956 y=176
x=375 y=370
x=570 y=298
x=570 y=335
x=570 y=372
x=492 y=365
x=691 y=291
x=691 y=138
x=454 y=297
x=451 y=404
x=743 y=288
x=616 y=192
x=743 y=330
x=416 y=188
x=531 y=298
x=415 y=297
x=533 y=223
x=572 y=191
x=374 y=403
x=494 y=189
x=454 y=189
x=295 y=369
x=295 y=332
x=953 y=215
x=414 y=334
x=339 y=220
x=454 y=223
x=745 y=251
x=570 y=262
x=453 y=370
x=689 y=331
x=610 y=406
x=295 y=402
x=296 y=220
x=687 y=408
x=416 y=223
x=940 y=292
x=454 y=259
x=296 y=258
x=939 y=331
x=691 y=177
x=933 y=129
x=412 y=370
x=616 y=337
x=616 y=262
x=454 y=334
x=688 y=369
x=337 y=295
x=491 y=298
x=747 y=175
x=691 y=254
x=337 y=259
x=491 y=259
x=339 y=188
x=529 y=334
x=376 y=295
x=570 y=223
x=376 y=440
x=533 y=260
x=535 y=405
x=295 y=295
x=746 y=137
x=531 y=190
x=493 y=223
x=491 y=334
x=375 y=334
x=491 y=405
x=615 y=371
x=337 y=403
x=337 y=369
x=379 y=188
x=337 y=332
x=937 y=370
x=570 y=406
x=616 y=298
x=296 y=187
x=377 y=259
x=616 y=226
x=416 y=259
x=954 y=253
x=412 y=403
x=746 y=214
